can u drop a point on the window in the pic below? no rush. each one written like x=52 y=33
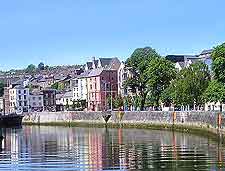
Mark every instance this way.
x=39 y=98
x=34 y=104
x=20 y=103
x=102 y=78
x=25 y=97
x=112 y=78
x=40 y=104
x=33 y=98
x=19 y=97
x=95 y=86
x=91 y=87
x=77 y=94
x=24 y=91
x=18 y=91
x=25 y=103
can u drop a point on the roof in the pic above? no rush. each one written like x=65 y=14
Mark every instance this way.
x=68 y=94
x=19 y=87
x=36 y=93
x=19 y=82
x=89 y=65
x=84 y=74
x=182 y=64
x=105 y=61
x=59 y=96
x=206 y=51
x=95 y=72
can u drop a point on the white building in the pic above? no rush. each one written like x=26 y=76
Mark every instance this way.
x=19 y=99
x=36 y=101
x=1 y=104
x=65 y=98
x=79 y=87
x=123 y=75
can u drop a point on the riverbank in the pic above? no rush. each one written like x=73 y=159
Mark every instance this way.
x=203 y=123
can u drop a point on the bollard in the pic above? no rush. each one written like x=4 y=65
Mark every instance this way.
x=120 y=115
x=174 y=117
x=219 y=120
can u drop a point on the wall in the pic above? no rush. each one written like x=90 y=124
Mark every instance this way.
x=207 y=120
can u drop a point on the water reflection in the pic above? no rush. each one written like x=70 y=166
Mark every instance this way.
x=50 y=148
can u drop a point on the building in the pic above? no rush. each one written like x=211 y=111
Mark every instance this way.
x=182 y=61
x=19 y=99
x=206 y=57
x=123 y=75
x=36 y=101
x=6 y=100
x=106 y=63
x=49 y=99
x=1 y=104
x=101 y=84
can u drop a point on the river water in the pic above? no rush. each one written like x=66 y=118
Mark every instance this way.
x=60 y=148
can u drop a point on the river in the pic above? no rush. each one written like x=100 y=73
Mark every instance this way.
x=63 y=148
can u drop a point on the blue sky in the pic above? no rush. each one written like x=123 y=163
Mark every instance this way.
x=72 y=31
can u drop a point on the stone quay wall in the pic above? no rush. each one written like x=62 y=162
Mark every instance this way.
x=208 y=120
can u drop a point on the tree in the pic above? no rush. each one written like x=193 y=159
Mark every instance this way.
x=1 y=88
x=74 y=104
x=55 y=86
x=218 y=64
x=189 y=85
x=160 y=73
x=67 y=104
x=138 y=65
x=30 y=68
x=215 y=92
x=83 y=104
x=41 y=66
x=137 y=102
x=118 y=102
x=128 y=102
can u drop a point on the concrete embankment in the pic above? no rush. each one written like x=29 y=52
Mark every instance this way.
x=201 y=122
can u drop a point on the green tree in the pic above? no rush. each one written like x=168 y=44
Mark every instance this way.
x=160 y=73
x=83 y=104
x=128 y=102
x=41 y=66
x=31 y=68
x=137 y=102
x=55 y=86
x=138 y=65
x=118 y=102
x=189 y=85
x=218 y=64
x=67 y=104
x=74 y=105
x=215 y=92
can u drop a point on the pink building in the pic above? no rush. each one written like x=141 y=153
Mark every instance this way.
x=101 y=84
